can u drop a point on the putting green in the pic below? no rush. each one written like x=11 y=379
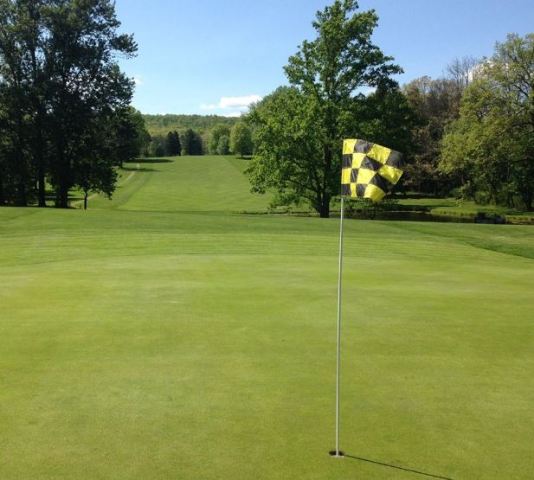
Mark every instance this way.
x=164 y=335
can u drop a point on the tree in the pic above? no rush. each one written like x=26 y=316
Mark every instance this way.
x=462 y=71
x=87 y=85
x=214 y=137
x=129 y=135
x=157 y=146
x=386 y=117
x=328 y=74
x=191 y=143
x=288 y=157
x=241 y=139
x=60 y=83
x=94 y=175
x=223 y=147
x=435 y=104
x=17 y=32
x=491 y=146
x=173 y=146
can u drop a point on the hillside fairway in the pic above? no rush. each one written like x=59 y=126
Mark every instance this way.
x=165 y=335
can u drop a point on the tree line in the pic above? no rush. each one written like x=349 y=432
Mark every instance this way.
x=469 y=134
x=221 y=139
x=65 y=116
x=66 y=121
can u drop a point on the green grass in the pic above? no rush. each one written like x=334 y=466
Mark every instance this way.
x=161 y=335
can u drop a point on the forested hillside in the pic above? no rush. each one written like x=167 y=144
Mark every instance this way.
x=162 y=124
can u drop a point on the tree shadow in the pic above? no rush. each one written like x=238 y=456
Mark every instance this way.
x=142 y=169
x=153 y=160
x=398 y=467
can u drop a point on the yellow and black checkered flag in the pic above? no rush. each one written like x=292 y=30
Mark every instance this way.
x=369 y=170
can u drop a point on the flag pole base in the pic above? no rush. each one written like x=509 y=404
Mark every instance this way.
x=336 y=453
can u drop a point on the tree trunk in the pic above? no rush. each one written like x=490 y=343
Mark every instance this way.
x=324 y=209
x=21 y=197
x=40 y=160
x=62 y=196
x=41 y=190
x=2 y=198
x=528 y=200
x=85 y=199
x=63 y=177
x=35 y=89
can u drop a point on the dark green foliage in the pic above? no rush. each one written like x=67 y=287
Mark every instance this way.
x=173 y=147
x=385 y=117
x=130 y=135
x=63 y=98
x=191 y=143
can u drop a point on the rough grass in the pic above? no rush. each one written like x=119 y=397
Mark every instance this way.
x=162 y=336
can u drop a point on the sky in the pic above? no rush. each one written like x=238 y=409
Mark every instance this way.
x=218 y=56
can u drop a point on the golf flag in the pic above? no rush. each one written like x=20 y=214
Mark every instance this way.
x=368 y=169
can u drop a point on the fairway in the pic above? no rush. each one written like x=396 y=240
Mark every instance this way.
x=168 y=335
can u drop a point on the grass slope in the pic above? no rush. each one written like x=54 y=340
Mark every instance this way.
x=186 y=184
x=161 y=336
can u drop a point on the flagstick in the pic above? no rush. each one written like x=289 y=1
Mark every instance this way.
x=337 y=452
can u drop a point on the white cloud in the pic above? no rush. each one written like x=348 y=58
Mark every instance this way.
x=138 y=80
x=233 y=114
x=232 y=106
x=238 y=102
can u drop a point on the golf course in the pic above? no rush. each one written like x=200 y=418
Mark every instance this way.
x=180 y=331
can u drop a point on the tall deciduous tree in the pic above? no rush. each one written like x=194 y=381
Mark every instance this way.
x=60 y=84
x=435 y=103
x=16 y=28
x=87 y=84
x=329 y=73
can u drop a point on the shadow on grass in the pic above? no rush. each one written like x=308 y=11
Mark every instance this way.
x=142 y=169
x=152 y=160
x=397 y=467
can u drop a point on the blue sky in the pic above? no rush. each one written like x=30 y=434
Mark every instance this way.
x=215 y=56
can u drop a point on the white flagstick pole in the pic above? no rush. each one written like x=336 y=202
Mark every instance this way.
x=337 y=452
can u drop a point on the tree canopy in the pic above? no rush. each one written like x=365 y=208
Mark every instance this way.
x=491 y=145
x=326 y=76
x=64 y=97
x=241 y=139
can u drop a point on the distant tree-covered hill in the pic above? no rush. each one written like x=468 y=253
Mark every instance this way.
x=162 y=124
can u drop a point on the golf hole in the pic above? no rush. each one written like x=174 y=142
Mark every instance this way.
x=333 y=453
